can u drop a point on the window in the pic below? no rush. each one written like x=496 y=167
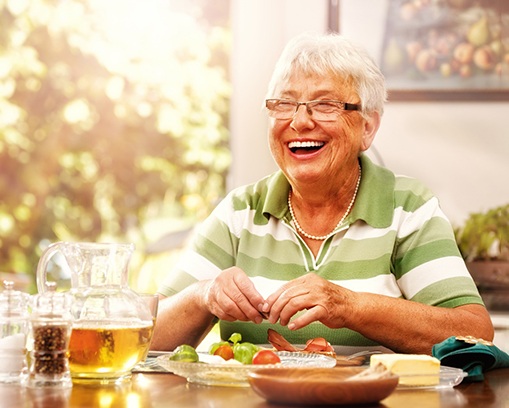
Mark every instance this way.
x=113 y=123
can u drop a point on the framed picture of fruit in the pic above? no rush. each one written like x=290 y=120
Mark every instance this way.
x=432 y=49
x=446 y=50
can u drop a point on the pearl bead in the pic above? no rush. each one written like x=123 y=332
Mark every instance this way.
x=330 y=234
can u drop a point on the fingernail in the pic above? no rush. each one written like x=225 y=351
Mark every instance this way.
x=265 y=307
x=291 y=326
x=258 y=319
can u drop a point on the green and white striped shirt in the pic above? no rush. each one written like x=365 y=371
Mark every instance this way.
x=395 y=242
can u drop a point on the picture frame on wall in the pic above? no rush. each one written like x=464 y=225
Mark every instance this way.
x=453 y=50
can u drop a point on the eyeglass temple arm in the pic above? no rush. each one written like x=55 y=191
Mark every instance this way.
x=351 y=106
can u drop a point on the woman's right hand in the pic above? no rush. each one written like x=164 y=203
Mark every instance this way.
x=232 y=296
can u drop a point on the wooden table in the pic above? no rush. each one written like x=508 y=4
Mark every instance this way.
x=154 y=390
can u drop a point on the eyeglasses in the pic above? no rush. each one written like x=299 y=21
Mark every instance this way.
x=323 y=110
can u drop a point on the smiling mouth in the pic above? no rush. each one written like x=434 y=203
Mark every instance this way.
x=305 y=147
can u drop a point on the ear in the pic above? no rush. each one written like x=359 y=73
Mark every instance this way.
x=371 y=125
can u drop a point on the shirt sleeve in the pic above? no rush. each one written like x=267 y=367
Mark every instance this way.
x=428 y=265
x=211 y=250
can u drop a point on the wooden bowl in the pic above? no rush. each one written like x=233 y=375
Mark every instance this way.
x=319 y=386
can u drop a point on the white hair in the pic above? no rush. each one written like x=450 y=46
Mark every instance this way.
x=333 y=53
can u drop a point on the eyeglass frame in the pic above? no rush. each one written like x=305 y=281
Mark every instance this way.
x=345 y=106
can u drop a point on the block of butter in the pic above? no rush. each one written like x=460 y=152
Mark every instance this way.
x=412 y=369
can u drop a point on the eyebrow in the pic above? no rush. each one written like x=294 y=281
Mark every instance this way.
x=320 y=94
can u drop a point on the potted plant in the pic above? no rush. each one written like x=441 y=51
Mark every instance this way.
x=484 y=244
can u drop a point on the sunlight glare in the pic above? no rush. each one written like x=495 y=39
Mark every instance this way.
x=76 y=111
x=16 y=7
x=133 y=30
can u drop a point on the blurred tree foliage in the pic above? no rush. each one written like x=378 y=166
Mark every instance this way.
x=113 y=114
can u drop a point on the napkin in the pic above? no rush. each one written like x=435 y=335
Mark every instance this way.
x=474 y=356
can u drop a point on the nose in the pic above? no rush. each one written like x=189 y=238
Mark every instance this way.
x=302 y=119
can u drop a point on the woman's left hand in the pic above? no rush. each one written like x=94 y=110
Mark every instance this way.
x=323 y=301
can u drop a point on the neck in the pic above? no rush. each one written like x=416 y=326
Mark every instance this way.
x=306 y=214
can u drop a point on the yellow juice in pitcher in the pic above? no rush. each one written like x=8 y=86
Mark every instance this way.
x=108 y=352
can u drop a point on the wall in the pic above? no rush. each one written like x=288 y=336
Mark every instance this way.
x=460 y=150
x=261 y=28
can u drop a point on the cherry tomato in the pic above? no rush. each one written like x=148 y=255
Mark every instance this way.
x=225 y=351
x=266 y=357
x=213 y=347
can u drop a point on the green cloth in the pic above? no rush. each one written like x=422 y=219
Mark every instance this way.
x=475 y=357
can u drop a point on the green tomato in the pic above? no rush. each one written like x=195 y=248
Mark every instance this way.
x=244 y=352
x=185 y=353
x=214 y=346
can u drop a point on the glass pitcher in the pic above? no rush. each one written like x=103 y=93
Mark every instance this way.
x=112 y=325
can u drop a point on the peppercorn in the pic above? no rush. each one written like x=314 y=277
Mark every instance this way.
x=50 y=349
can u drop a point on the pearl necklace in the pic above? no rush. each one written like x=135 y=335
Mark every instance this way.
x=330 y=234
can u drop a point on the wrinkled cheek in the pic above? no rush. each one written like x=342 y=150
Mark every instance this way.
x=351 y=122
x=353 y=134
x=275 y=144
x=272 y=143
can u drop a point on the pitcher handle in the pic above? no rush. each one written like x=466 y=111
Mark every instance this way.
x=41 y=274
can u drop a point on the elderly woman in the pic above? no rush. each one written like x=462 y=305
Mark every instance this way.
x=331 y=245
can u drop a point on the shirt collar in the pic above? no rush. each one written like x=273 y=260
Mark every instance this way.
x=374 y=203
x=375 y=199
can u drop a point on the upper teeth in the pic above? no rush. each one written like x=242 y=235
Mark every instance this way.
x=293 y=145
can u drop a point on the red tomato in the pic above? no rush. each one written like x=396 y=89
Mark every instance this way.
x=266 y=357
x=224 y=351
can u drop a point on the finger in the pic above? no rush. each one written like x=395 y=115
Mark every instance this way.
x=230 y=312
x=226 y=317
x=221 y=304
x=230 y=304
x=290 y=302
x=311 y=315
x=247 y=298
x=245 y=309
x=279 y=293
x=248 y=289
x=226 y=296
x=274 y=296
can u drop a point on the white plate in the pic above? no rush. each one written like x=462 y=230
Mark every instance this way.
x=449 y=377
x=235 y=375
